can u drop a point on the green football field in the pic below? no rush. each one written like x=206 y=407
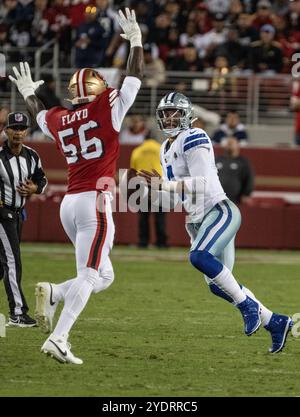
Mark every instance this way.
x=157 y=331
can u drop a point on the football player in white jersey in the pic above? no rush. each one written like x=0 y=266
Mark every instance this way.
x=187 y=155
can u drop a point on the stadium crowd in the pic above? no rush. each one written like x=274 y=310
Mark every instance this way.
x=226 y=39
x=253 y=35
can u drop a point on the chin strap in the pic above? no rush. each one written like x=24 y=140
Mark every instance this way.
x=81 y=100
x=171 y=135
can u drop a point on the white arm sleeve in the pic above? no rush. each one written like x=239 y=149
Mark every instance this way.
x=122 y=101
x=41 y=121
x=198 y=161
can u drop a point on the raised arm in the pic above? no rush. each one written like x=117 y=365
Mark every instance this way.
x=27 y=88
x=132 y=33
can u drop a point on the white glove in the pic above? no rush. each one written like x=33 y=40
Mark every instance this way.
x=24 y=81
x=131 y=29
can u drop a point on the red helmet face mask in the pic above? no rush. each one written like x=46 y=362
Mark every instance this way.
x=85 y=85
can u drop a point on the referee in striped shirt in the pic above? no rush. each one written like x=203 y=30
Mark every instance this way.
x=21 y=175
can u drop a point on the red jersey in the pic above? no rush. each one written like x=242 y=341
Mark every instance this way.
x=87 y=139
x=87 y=136
x=296 y=93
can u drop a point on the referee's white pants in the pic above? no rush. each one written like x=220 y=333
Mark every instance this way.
x=87 y=220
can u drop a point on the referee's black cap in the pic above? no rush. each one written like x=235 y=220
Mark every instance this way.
x=17 y=119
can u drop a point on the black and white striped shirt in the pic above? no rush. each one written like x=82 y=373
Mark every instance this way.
x=17 y=169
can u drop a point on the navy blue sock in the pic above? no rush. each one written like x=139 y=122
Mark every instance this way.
x=219 y=293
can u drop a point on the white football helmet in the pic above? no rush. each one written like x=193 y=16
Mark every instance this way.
x=174 y=113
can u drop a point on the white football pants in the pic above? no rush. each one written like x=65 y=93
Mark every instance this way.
x=87 y=220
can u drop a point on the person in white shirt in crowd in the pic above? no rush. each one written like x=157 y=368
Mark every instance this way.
x=214 y=37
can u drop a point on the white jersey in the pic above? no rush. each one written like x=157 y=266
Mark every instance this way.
x=192 y=155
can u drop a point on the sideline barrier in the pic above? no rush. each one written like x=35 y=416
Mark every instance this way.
x=263 y=226
x=268 y=222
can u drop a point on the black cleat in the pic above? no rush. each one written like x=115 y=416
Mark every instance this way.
x=21 y=320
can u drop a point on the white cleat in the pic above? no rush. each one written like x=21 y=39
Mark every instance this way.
x=58 y=348
x=45 y=306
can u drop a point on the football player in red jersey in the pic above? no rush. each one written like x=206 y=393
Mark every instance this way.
x=87 y=136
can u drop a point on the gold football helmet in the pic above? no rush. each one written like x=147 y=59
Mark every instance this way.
x=85 y=85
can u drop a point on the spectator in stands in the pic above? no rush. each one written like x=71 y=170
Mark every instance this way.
x=280 y=7
x=187 y=7
x=169 y=24
x=90 y=47
x=295 y=106
x=28 y=9
x=265 y=55
x=159 y=32
x=202 y=18
x=222 y=81
x=154 y=68
x=232 y=49
x=147 y=157
x=289 y=41
x=135 y=132
x=20 y=35
x=264 y=14
x=215 y=36
x=11 y=12
x=247 y=33
x=172 y=8
x=171 y=50
x=4 y=48
x=40 y=25
x=4 y=41
x=107 y=19
x=191 y=35
x=231 y=128
x=144 y=12
x=77 y=12
x=59 y=20
x=46 y=92
x=189 y=61
x=4 y=110
x=235 y=172
x=218 y=6
x=236 y=8
x=293 y=16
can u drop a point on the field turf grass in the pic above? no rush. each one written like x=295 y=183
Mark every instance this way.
x=157 y=331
